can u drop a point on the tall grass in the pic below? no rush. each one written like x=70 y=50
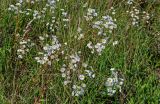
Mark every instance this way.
x=79 y=52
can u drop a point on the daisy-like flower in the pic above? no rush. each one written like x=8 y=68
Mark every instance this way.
x=115 y=43
x=84 y=65
x=66 y=82
x=113 y=83
x=77 y=90
x=112 y=69
x=63 y=75
x=90 y=73
x=62 y=70
x=81 y=77
x=130 y=2
x=111 y=91
x=109 y=82
x=91 y=13
x=89 y=45
x=75 y=58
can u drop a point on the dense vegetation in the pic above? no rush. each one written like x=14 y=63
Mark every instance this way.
x=79 y=52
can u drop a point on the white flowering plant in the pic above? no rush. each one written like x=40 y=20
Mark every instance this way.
x=79 y=52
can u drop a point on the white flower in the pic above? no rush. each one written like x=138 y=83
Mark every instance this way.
x=81 y=77
x=83 y=85
x=74 y=58
x=20 y=1
x=37 y=58
x=65 y=82
x=130 y=2
x=109 y=82
x=93 y=75
x=45 y=58
x=23 y=42
x=63 y=75
x=85 y=5
x=115 y=43
x=64 y=14
x=98 y=22
x=79 y=30
x=41 y=38
x=121 y=81
x=113 y=84
x=62 y=70
x=89 y=45
x=81 y=36
x=111 y=91
x=77 y=90
x=65 y=20
x=90 y=14
x=104 y=41
x=18 y=4
x=112 y=69
x=49 y=63
x=20 y=56
x=113 y=12
x=84 y=65
x=74 y=86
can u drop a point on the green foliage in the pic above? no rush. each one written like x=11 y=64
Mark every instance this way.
x=136 y=56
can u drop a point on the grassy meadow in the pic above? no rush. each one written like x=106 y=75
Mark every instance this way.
x=79 y=52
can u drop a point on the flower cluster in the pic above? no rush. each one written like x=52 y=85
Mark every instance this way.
x=137 y=14
x=113 y=11
x=90 y=73
x=52 y=2
x=91 y=13
x=37 y=14
x=65 y=18
x=134 y=16
x=113 y=83
x=75 y=59
x=103 y=26
x=15 y=8
x=24 y=46
x=24 y=42
x=51 y=25
x=78 y=90
x=65 y=70
x=49 y=51
x=105 y=23
x=115 y=43
x=80 y=34
x=98 y=47
x=66 y=74
x=146 y=16
x=71 y=69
